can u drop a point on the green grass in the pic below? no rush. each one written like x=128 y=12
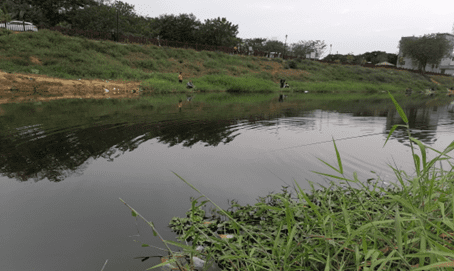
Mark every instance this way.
x=74 y=57
x=371 y=228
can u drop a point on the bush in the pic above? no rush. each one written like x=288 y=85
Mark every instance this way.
x=5 y=32
x=292 y=64
x=146 y=64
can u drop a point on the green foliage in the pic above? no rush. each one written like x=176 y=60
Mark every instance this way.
x=257 y=44
x=181 y=28
x=427 y=49
x=146 y=64
x=219 y=32
x=274 y=46
x=252 y=66
x=302 y=48
x=5 y=32
x=293 y=64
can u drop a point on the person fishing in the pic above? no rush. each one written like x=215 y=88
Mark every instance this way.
x=180 y=78
x=282 y=83
x=190 y=85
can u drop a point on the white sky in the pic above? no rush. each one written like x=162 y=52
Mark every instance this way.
x=356 y=26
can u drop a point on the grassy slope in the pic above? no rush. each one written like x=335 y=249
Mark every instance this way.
x=72 y=58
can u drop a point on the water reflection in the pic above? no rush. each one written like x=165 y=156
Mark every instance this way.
x=423 y=123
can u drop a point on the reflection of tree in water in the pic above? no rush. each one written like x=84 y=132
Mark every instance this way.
x=58 y=153
x=41 y=151
x=190 y=132
x=422 y=121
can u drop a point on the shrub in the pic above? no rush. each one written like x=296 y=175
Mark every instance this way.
x=146 y=64
x=292 y=64
x=20 y=61
x=5 y=32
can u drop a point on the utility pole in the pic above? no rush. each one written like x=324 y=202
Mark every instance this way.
x=285 y=45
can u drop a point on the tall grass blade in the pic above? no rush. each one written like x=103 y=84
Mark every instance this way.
x=398 y=230
x=422 y=148
x=335 y=177
x=390 y=132
x=399 y=109
x=339 y=161
x=329 y=165
x=327 y=266
x=308 y=201
x=417 y=164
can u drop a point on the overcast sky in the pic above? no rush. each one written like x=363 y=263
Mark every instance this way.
x=356 y=26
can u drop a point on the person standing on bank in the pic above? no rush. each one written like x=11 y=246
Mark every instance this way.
x=180 y=78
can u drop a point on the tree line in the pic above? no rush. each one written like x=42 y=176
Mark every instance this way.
x=373 y=57
x=101 y=16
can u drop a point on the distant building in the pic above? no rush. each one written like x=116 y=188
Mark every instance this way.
x=313 y=55
x=445 y=66
x=275 y=54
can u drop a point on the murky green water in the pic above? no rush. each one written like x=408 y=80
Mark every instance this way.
x=64 y=167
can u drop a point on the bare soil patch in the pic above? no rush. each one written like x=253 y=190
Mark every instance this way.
x=19 y=87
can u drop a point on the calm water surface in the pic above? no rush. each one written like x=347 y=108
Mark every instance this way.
x=62 y=177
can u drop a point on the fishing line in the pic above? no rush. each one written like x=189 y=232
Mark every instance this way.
x=321 y=142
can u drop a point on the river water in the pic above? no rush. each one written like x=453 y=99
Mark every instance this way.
x=63 y=172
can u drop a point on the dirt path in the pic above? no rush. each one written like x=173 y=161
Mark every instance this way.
x=34 y=87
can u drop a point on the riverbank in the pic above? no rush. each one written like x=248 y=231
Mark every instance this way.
x=153 y=69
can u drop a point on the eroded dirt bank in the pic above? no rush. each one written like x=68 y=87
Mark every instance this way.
x=17 y=87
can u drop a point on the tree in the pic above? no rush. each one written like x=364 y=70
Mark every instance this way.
x=47 y=12
x=21 y=10
x=428 y=49
x=302 y=48
x=274 y=46
x=392 y=58
x=4 y=15
x=350 y=58
x=103 y=18
x=219 y=32
x=181 y=28
x=257 y=44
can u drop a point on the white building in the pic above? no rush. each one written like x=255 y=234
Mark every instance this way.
x=313 y=55
x=445 y=66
